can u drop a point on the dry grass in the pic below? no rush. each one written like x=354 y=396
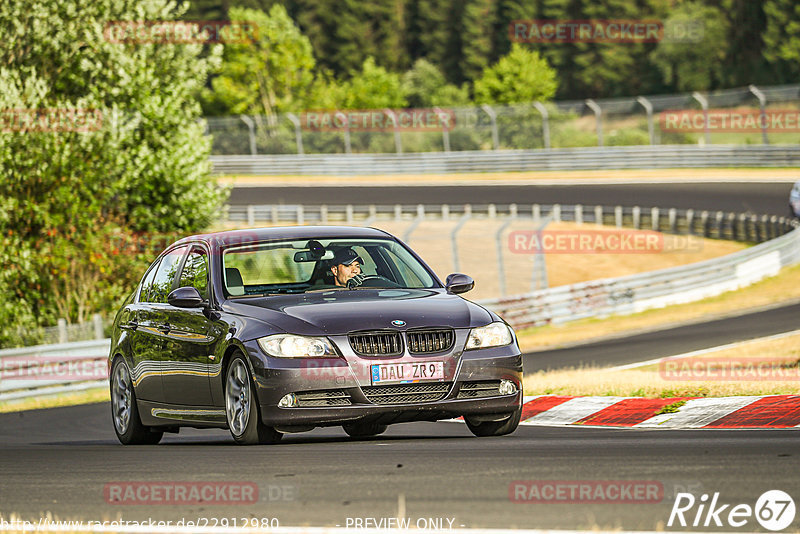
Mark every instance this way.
x=653 y=381
x=782 y=288
x=68 y=399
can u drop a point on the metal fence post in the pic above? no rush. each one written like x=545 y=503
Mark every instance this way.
x=690 y=222
x=98 y=326
x=251 y=215
x=62 y=331
x=556 y=212
x=539 y=275
x=654 y=219
x=398 y=143
x=598 y=116
x=618 y=216
x=398 y=212
x=536 y=213
x=298 y=134
x=545 y=122
x=704 y=104
x=445 y=129
x=673 y=220
x=762 y=103
x=454 y=235
x=323 y=214
x=348 y=213
x=578 y=214
x=251 y=127
x=501 y=272
x=598 y=215
x=493 y=118
x=348 y=147
x=637 y=217
x=300 y=215
x=648 y=107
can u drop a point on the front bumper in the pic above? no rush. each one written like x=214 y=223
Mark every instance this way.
x=279 y=377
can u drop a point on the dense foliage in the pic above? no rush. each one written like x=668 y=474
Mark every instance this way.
x=101 y=142
x=745 y=41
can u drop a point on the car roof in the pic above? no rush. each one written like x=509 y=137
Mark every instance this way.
x=255 y=235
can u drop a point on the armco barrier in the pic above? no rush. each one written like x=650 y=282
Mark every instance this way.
x=628 y=157
x=52 y=369
x=639 y=292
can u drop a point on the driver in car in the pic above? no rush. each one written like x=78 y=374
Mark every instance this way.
x=346 y=268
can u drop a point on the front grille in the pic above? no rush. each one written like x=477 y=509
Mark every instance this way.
x=330 y=397
x=376 y=343
x=429 y=341
x=485 y=388
x=407 y=393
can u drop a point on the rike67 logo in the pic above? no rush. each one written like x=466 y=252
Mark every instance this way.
x=774 y=510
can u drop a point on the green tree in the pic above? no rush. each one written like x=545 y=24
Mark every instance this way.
x=782 y=37
x=373 y=87
x=106 y=141
x=425 y=86
x=521 y=76
x=266 y=75
x=694 y=66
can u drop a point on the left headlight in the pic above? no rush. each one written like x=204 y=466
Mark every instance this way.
x=491 y=335
x=291 y=346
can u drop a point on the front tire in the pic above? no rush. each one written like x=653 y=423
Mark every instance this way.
x=495 y=428
x=124 y=412
x=364 y=430
x=241 y=407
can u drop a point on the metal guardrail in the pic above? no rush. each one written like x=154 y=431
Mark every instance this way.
x=629 y=157
x=45 y=370
x=731 y=226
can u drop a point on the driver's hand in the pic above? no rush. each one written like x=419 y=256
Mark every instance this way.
x=356 y=281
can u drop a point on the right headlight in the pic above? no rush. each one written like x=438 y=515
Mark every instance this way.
x=292 y=346
x=491 y=335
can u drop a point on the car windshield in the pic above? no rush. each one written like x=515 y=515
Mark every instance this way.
x=314 y=265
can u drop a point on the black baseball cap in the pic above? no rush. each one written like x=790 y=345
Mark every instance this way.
x=346 y=256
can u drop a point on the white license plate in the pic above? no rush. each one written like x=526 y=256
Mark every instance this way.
x=407 y=373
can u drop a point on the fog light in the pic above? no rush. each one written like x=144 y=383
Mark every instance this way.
x=288 y=401
x=507 y=387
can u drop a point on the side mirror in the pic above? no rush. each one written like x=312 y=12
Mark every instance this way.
x=459 y=283
x=185 y=297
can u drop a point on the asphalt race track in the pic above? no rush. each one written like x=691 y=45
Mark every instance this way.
x=60 y=461
x=668 y=342
x=761 y=198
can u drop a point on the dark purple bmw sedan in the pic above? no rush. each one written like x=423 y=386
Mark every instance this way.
x=278 y=330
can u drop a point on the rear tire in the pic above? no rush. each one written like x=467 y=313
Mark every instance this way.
x=364 y=430
x=495 y=428
x=241 y=407
x=124 y=412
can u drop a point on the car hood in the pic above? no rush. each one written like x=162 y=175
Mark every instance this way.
x=342 y=311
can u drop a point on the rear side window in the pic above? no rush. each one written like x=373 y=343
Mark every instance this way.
x=165 y=275
x=195 y=272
